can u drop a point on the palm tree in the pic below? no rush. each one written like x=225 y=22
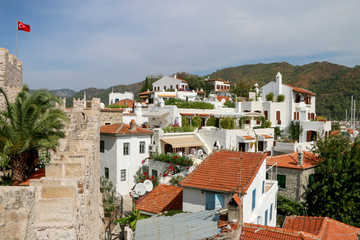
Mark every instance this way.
x=29 y=124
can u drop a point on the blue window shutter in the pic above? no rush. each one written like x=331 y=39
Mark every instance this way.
x=266 y=218
x=210 y=201
x=254 y=199
x=271 y=207
x=263 y=187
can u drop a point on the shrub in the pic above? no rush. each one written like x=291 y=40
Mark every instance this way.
x=176 y=180
x=116 y=106
x=229 y=104
x=108 y=196
x=196 y=121
x=185 y=121
x=280 y=98
x=227 y=123
x=174 y=159
x=183 y=104
x=295 y=130
x=277 y=132
x=170 y=129
x=270 y=97
x=211 y=121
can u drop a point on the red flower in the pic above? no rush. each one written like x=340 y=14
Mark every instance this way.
x=165 y=175
x=142 y=181
x=170 y=162
x=152 y=177
x=176 y=157
x=145 y=173
x=177 y=164
x=186 y=162
x=187 y=167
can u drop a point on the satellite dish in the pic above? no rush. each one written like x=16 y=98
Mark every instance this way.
x=134 y=194
x=140 y=189
x=148 y=185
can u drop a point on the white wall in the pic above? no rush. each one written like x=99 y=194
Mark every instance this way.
x=167 y=82
x=108 y=157
x=120 y=96
x=115 y=160
x=263 y=201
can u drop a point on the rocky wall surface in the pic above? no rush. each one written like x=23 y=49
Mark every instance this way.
x=17 y=218
x=110 y=117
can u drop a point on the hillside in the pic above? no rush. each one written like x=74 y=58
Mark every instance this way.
x=334 y=84
x=103 y=94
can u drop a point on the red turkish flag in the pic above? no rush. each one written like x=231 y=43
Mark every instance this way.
x=23 y=26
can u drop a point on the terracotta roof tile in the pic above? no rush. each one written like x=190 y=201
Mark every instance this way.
x=167 y=95
x=219 y=98
x=254 y=231
x=36 y=175
x=121 y=128
x=112 y=110
x=300 y=90
x=143 y=93
x=127 y=102
x=162 y=198
x=267 y=136
x=187 y=114
x=248 y=137
x=290 y=160
x=321 y=227
x=203 y=114
x=221 y=171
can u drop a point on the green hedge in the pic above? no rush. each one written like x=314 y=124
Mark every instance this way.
x=183 y=104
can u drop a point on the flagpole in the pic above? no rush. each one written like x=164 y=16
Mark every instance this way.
x=17 y=30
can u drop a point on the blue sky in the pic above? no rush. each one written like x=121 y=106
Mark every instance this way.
x=79 y=44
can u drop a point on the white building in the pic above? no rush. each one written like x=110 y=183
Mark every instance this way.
x=225 y=173
x=122 y=149
x=219 y=86
x=115 y=97
x=170 y=83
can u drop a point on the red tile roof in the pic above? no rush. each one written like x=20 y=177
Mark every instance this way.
x=254 y=231
x=122 y=128
x=248 y=137
x=290 y=160
x=321 y=227
x=218 y=79
x=221 y=97
x=36 y=175
x=225 y=171
x=300 y=90
x=266 y=136
x=162 y=198
x=127 y=102
x=187 y=114
x=143 y=93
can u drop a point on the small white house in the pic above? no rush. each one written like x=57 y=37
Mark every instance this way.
x=170 y=83
x=122 y=149
x=115 y=97
x=225 y=173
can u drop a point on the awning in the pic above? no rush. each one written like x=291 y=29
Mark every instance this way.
x=178 y=142
x=264 y=137
x=156 y=114
x=245 y=138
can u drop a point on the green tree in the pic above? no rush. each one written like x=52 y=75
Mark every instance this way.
x=241 y=89
x=149 y=80
x=335 y=190
x=227 y=123
x=27 y=125
x=108 y=196
x=286 y=207
x=295 y=130
x=196 y=121
x=211 y=121
x=270 y=97
x=185 y=121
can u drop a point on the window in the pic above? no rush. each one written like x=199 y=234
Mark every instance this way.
x=142 y=147
x=261 y=146
x=177 y=86
x=123 y=175
x=281 y=180
x=171 y=87
x=266 y=113
x=102 y=146
x=278 y=117
x=254 y=199
x=266 y=218
x=263 y=187
x=126 y=148
x=154 y=173
x=107 y=173
x=271 y=207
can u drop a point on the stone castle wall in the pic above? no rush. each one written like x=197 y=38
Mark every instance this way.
x=10 y=75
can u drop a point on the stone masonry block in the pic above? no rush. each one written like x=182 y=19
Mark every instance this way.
x=58 y=192
x=73 y=170
x=53 y=170
x=54 y=212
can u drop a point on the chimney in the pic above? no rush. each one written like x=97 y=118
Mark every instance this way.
x=132 y=125
x=175 y=75
x=300 y=157
x=279 y=83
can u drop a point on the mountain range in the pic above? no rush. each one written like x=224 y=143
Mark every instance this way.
x=333 y=84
